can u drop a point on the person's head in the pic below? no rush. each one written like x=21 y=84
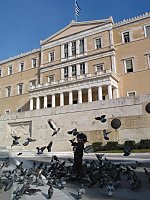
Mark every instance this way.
x=81 y=137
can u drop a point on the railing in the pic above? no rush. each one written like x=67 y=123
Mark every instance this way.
x=69 y=79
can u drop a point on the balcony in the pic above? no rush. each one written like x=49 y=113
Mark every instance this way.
x=75 y=79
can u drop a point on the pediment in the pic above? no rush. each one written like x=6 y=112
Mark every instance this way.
x=73 y=28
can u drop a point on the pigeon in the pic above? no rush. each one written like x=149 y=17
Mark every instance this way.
x=127 y=150
x=15 y=140
x=28 y=140
x=40 y=150
x=19 y=154
x=81 y=192
x=99 y=156
x=101 y=118
x=49 y=146
x=53 y=126
x=105 y=133
x=50 y=192
x=73 y=132
x=139 y=164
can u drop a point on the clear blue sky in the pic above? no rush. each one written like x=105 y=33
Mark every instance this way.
x=23 y=23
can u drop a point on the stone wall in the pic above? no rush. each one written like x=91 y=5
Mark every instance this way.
x=135 y=123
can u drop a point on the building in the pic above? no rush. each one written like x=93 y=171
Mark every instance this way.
x=86 y=62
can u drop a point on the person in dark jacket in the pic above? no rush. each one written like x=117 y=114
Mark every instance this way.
x=78 y=148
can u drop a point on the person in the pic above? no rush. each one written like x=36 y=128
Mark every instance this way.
x=78 y=148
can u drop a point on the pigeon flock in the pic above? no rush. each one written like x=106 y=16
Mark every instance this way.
x=58 y=173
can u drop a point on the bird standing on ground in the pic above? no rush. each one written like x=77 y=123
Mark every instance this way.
x=102 y=118
x=53 y=126
x=50 y=192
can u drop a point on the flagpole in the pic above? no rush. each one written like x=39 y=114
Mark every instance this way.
x=75 y=10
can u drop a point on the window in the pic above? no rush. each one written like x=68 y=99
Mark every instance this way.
x=8 y=91
x=125 y=37
x=51 y=56
x=74 y=70
x=21 y=66
x=0 y=72
x=148 y=57
x=147 y=31
x=20 y=88
x=98 y=43
x=73 y=48
x=65 y=72
x=99 y=67
x=131 y=93
x=7 y=111
x=33 y=83
x=19 y=110
x=34 y=63
x=10 y=70
x=66 y=50
x=50 y=78
x=128 y=66
x=81 y=46
x=82 y=68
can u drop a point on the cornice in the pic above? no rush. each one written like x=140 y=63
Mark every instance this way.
x=79 y=60
x=20 y=56
x=77 y=36
x=131 y=20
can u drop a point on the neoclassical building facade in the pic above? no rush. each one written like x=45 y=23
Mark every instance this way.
x=84 y=62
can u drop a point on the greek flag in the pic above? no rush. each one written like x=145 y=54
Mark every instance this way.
x=77 y=8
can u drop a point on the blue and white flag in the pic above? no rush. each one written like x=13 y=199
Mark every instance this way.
x=77 y=8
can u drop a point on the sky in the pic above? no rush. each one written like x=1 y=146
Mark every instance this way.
x=23 y=23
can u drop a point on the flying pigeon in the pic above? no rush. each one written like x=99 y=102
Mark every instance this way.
x=102 y=118
x=19 y=154
x=49 y=146
x=15 y=140
x=40 y=150
x=73 y=132
x=53 y=126
x=105 y=133
x=28 y=140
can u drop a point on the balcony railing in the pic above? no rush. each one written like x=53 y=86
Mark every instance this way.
x=70 y=79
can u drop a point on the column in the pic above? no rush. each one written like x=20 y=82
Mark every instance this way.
x=31 y=104
x=62 y=99
x=77 y=47
x=110 y=91
x=86 y=68
x=62 y=51
x=89 y=94
x=100 y=95
x=113 y=64
x=70 y=98
x=78 y=69
x=80 y=96
x=62 y=73
x=111 y=38
x=115 y=93
x=69 y=71
x=85 y=45
x=53 y=100
x=70 y=49
x=38 y=103
x=45 y=101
